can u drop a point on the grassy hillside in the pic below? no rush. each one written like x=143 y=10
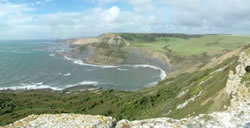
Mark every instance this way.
x=187 y=45
x=159 y=101
x=178 y=52
x=187 y=53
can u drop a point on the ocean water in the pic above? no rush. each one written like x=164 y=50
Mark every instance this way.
x=36 y=65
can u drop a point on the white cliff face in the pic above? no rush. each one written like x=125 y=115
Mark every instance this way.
x=236 y=116
x=234 y=86
x=64 y=121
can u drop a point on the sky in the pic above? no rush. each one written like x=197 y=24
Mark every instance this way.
x=60 y=19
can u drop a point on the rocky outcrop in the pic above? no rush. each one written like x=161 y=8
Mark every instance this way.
x=84 y=41
x=234 y=86
x=64 y=121
x=111 y=39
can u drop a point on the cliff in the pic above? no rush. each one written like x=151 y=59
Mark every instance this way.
x=112 y=49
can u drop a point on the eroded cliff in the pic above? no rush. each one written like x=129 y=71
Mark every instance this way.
x=112 y=49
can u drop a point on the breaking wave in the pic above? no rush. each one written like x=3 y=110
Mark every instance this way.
x=33 y=86
x=163 y=74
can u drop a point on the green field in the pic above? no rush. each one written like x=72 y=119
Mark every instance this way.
x=189 y=45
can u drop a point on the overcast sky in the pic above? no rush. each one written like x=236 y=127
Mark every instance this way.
x=51 y=19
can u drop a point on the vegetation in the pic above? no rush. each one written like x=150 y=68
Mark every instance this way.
x=147 y=103
x=187 y=53
x=187 y=45
x=162 y=100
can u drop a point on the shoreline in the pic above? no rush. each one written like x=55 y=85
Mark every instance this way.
x=85 y=85
x=65 y=90
x=163 y=74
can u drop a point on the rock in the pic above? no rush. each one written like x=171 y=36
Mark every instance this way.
x=113 y=39
x=64 y=121
x=234 y=86
x=83 y=41
x=248 y=68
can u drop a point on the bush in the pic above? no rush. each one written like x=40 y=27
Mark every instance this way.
x=6 y=105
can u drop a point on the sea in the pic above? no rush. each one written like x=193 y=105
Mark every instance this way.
x=40 y=65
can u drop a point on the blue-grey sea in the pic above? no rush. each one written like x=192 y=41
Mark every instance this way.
x=36 y=65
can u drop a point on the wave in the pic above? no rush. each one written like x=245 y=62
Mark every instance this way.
x=94 y=83
x=33 y=86
x=40 y=85
x=67 y=74
x=51 y=55
x=163 y=74
x=80 y=62
x=121 y=69
x=151 y=84
x=91 y=70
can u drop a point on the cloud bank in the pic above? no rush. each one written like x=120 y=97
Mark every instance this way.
x=20 y=20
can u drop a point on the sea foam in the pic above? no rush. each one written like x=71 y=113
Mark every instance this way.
x=163 y=74
x=94 y=83
x=32 y=86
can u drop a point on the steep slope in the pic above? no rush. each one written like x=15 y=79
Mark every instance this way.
x=237 y=113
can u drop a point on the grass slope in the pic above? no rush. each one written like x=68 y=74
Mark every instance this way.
x=187 y=45
x=187 y=53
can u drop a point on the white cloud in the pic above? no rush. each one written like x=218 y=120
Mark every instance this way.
x=17 y=21
x=111 y=14
x=220 y=16
x=20 y=24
